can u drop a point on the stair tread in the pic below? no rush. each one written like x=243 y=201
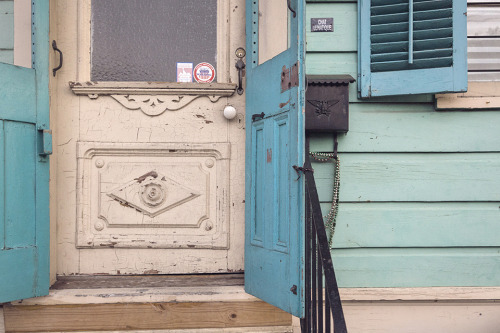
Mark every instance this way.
x=146 y=281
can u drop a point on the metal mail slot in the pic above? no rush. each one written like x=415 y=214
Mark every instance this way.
x=327 y=103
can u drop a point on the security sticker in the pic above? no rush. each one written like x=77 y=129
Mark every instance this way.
x=184 y=72
x=204 y=73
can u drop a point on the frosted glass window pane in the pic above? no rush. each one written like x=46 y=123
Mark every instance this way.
x=143 y=40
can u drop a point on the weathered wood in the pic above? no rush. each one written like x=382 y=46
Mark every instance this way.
x=416 y=224
x=105 y=120
x=432 y=294
x=344 y=35
x=7 y=24
x=319 y=63
x=413 y=177
x=480 y=95
x=414 y=128
x=413 y=267
x=7 y=56
x=142 y=316
x=423 y=317
x=146 y=281
x=24 y=109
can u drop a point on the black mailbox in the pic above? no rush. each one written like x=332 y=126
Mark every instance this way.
x=327 y=103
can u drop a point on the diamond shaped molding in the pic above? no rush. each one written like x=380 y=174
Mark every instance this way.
x=153 y=194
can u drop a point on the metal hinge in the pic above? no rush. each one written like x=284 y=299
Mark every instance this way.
x=289 y=77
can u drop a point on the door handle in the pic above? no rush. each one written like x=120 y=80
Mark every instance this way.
x=240 y=66
x=44 y=142
x=290 y=7
x=54 y=46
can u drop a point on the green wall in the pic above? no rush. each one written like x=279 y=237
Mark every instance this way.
x=7 y=31
x=420 y=189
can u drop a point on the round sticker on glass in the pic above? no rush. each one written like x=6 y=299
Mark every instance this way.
x=204 y=73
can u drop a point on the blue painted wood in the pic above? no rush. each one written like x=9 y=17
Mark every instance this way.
x=329 y=63
x=17 y=81
x=7 y=56
x=417 y=81
x=413 y=211
x=20 y=160
x=7 y=25
x=274 y=203
x=416 y=224
x=2 y=187
x=414 y=128
x=24 y=110
x=344 y=35
x=420 y=267
x=415 y=177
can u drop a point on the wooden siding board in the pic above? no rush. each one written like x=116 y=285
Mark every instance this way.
x=344 y=35
x=7 y=56
x=7 y=24
x=330 y=63
x=483 y=21
x=419 y=177
x=414 y=128
x=429 y=267
x=388 y=224
x=419 y=200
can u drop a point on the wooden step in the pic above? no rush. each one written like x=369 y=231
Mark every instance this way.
x=96 y=303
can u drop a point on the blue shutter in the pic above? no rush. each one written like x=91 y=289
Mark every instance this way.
x=24 y=169
x=412 y=47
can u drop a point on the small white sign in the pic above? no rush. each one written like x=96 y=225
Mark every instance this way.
x=184 y=72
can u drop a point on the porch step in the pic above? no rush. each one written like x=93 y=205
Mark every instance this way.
x=203 y=303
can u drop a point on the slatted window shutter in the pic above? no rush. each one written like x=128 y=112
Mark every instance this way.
x=412 y=47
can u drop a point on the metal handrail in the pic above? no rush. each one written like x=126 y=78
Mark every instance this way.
x=318 y=264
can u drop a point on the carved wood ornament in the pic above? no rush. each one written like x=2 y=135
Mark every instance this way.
x=153 y=98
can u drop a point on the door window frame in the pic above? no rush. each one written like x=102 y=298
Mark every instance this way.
x=221 y=88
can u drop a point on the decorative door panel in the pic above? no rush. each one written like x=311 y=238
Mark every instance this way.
x=153 y=195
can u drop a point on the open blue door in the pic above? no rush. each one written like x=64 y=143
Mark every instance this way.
x=274 y=213
x=24 y=168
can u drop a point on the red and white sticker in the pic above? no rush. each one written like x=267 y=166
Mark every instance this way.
x=204 y=73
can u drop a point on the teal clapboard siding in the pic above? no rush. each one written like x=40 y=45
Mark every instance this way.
x=7 y=31
x=419 y=198
x=24 y=173
x=416 y=224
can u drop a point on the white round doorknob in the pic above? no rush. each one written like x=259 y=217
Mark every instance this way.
x=229 y=112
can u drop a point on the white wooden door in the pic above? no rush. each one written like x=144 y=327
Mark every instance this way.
x=150 y=174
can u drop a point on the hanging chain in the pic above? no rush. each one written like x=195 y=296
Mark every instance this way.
x=331 y=218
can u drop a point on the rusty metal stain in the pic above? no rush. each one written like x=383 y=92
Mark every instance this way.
x=269 y=155
x=284 y=104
